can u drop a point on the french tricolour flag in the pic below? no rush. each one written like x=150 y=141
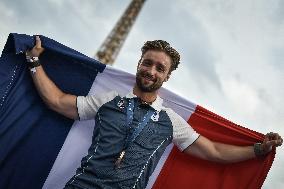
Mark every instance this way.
x=42 y=149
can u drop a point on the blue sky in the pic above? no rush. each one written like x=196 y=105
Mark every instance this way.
x=232 y=52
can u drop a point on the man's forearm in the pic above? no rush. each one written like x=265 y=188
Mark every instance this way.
x=48 y=91
x=56 y=100
x=219 y=152
x=226 y=153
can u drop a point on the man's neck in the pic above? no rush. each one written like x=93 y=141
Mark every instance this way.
x=147 y=97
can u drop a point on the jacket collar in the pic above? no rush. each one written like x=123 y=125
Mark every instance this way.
x=157 y=104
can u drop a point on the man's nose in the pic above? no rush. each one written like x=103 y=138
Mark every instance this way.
x=152 y=70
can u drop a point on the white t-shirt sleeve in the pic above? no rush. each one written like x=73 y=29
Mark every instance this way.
x=183 y=134
x=88 y=106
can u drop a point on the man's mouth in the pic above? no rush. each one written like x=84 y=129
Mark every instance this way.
x=147 y=78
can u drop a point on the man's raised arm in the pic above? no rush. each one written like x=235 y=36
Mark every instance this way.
x=56 y=100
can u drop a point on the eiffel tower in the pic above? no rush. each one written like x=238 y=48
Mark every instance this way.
x=110 y=48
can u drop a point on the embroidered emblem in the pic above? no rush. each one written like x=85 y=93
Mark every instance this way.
x=120 y=104
x=155 y=116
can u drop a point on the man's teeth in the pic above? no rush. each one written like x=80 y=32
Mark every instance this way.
x=150 y=79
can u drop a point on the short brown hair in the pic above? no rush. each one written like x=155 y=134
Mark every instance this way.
x=164 y=46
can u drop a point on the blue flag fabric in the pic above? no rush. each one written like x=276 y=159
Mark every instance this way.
x=31 y=135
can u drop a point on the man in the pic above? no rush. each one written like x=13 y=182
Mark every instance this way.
x=133 y=131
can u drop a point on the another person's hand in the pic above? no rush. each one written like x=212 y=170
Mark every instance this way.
x=36 y=50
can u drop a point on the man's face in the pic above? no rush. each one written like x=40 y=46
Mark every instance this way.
x=153 y=69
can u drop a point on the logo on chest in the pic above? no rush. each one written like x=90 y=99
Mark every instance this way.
x=155 y=116
x=120 y=104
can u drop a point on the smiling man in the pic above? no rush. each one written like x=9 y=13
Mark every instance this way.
x=133 y=131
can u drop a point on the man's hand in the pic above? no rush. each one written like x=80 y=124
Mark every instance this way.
x=271 y=139
x=36 y=50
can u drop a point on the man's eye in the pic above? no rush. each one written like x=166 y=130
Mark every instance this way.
x=146 y=63
x=160 y=69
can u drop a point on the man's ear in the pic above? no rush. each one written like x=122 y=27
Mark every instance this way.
x=139 y=62
x=168 y=77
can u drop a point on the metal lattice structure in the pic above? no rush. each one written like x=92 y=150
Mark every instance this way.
x=114 y=41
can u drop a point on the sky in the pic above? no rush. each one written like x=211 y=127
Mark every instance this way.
x=232 y=52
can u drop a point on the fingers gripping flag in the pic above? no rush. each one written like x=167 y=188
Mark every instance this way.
x=42 y=149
